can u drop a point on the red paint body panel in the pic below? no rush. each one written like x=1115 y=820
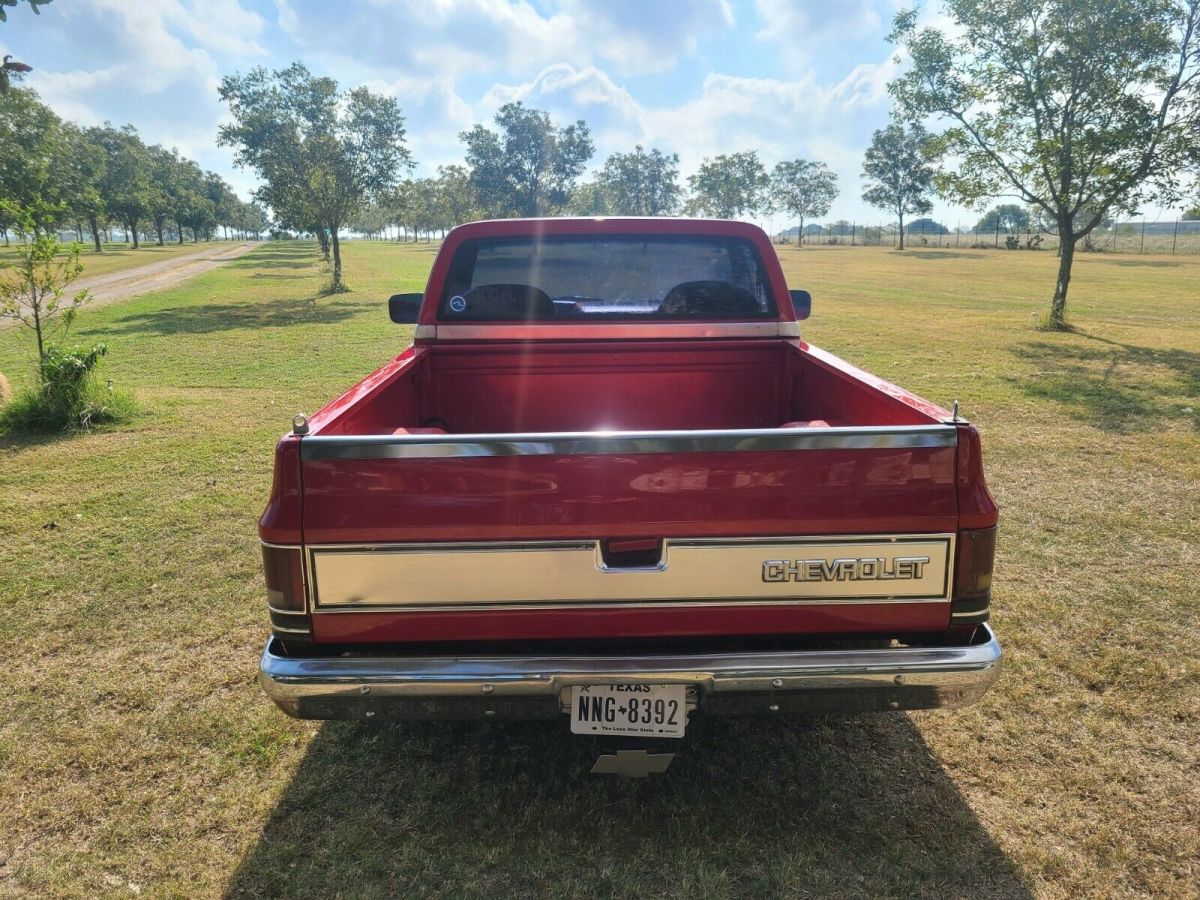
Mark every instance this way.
x=810 y=492
x=875 y=618
x=500 y=385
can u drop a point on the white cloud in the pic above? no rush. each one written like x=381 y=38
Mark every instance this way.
x=460 y=37
x=159 y=72
x=809 y=25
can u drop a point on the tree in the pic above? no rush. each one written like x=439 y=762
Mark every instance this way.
x=33 y=291
x=804 y=189
x=1192 y=214
x=728 y=186
x=588 y=199
x=126 y=186
x=31 y=157
x=83 y=167
x=1068 y=105
x=898 y=171
x=1011 y=218
x=926 y=226
x=529 y=166
x=640 y=183
x=322 y=153
x=458 y=198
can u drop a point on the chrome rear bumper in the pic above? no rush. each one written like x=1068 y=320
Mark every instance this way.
x=533 y=687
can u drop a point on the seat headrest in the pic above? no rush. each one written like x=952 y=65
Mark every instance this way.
x=501 y=301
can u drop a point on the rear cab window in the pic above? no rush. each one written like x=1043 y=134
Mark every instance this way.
x=606 y=278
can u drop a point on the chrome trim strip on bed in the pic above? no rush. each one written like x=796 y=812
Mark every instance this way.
x=608 y=443
x=693 y=572
x=363 y=686
x=551 y=331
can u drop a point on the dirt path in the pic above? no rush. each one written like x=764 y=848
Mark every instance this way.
x=155 y=276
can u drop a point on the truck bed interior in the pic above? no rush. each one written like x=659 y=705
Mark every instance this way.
x=602 y=386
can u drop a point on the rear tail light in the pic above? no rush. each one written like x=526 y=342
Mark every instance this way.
x=284 y=571
x=975 y=557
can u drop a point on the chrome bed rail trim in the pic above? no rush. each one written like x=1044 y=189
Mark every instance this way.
x=609 y=443
x=363 y=686
x=585 y=330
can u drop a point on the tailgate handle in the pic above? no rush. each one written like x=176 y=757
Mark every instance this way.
x=632 y=555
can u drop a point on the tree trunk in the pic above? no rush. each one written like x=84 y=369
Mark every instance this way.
x=158 y=226
x=94 y=224
x=800 y=234
x=338 y=285
x=134 y=231
x=1058 y=306
x=901 y=216
x=79 y=231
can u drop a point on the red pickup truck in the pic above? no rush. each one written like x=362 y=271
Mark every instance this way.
x=610 y=482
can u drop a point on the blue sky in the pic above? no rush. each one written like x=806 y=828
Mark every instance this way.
x=788 y=78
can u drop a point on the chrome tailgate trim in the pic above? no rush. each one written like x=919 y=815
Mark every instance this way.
x=608 y=443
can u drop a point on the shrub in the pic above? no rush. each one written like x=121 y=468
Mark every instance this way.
x=68 y=396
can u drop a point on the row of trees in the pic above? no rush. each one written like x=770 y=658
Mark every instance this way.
x=331 y=160
x=638 y=183
x=92 y=179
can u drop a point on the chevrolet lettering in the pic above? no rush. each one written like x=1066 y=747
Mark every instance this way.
x=609 y=483
x=874 y=569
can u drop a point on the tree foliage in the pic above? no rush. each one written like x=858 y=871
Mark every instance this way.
x=641 y=183
x=321 y=153
x=1068 y=105
x=1010 y=218
x=898 y=171
x=34 y=291
x=528 y=166
x=804 y=189
x=729 y=186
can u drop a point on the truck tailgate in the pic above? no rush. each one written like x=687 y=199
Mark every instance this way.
x=475 y=537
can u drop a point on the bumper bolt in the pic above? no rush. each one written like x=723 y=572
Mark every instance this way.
x=899 y=679
x=487 y=688
x=365 y=689
x=774 y=707
x=777 y=683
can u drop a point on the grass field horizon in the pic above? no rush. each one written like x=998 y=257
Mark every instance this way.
x=137 y=754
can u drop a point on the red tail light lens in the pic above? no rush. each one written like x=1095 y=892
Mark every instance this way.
x=284 y=571
x=974 y=561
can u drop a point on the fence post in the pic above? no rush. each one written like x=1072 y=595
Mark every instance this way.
x=1174 y=237
x=1142 y=248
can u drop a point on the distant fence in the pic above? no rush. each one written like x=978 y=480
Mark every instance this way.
x=1170 y=237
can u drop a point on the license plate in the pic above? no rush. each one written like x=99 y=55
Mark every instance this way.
x=644 y=710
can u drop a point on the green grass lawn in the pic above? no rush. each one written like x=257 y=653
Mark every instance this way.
x=137 y=753
x=118 y=257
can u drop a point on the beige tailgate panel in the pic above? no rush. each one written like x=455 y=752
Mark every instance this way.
x=538 y=574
